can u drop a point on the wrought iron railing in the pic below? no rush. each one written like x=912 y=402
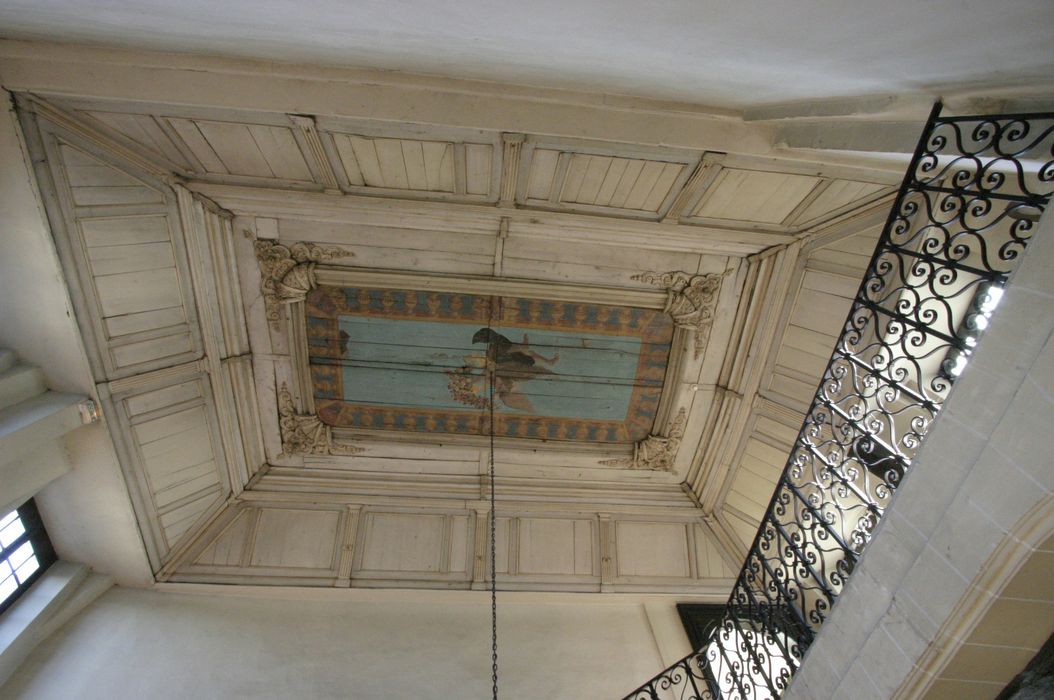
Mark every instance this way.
x=961 y=220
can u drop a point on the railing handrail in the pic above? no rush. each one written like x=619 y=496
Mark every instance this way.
x=963 y=247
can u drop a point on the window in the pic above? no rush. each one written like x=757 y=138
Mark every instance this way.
x=25 y=552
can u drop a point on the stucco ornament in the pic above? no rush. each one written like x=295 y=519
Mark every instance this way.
x=690 y=301
x=304 y=433
x=656 y=452
x=288 y=272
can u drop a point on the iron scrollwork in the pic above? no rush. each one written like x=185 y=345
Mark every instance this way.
x=963 y=217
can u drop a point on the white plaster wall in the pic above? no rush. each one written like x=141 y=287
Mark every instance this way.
x=87 y=512
x=985 y=465
x=151 y=644
x=717 y=52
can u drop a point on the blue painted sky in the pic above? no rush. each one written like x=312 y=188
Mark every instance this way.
x=404 y=362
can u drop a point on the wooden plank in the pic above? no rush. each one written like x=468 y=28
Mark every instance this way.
x=368 y=160
x=776 y=430
x=279 y=148
x=227 y=548
x=612 y=177
x=626 y=183
x=838 y=194
x=348 y=160
x=124 y=231
x=159 y=398
x=543 y=169
x=802 y=362
x=153 y=349
x=652 y=549
x=164 y=426
x=439 y=165
x=742 y=528
x=661 y=190
x=596 y=171
x=142 y=129
x=402 y=542
x=853 y=264
x=837 y=285
x=546 y=546
x=820 y=311
x=131 y=292
x=649 y=176
x=459 y=549
x=414 y=159
x=109 y=260
x=808 y=340
x=354 y=235
x=753 y=195
x=191 y=480
x=478 y=159
x=197 y=143
x=746 y=505
x=109 y=196
x=304 y=539
x=391 y=163
x=798 y=392
x=236 y=147
x=117 y=326
x=576 y=172
x=585 y=554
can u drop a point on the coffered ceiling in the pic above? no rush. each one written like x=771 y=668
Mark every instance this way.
x=292 y=316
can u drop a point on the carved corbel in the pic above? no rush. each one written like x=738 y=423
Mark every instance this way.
x=288 y=272
x=656 y=452
x=690 y=301
x=304 y=433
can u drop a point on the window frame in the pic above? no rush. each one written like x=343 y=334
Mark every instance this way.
x=38 y=538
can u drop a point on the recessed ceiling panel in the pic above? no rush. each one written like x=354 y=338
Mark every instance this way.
x=418 y=362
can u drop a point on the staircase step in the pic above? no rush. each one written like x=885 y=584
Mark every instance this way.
x=19 y=383
x=8 y=358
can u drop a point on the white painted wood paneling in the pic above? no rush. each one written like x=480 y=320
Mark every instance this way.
x=164 y=427
x=838 y=196
x=754 y=196
x=93 y=182
x=295 y=539
x=145 y=130
x=251 y=150
x=402 y=542
x=555 y=546
x=416 y=165
x=652 y=549
x=120 y=240
x=602 y=183
x=229 y=548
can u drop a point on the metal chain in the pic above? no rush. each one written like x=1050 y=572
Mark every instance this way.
x=493 y=518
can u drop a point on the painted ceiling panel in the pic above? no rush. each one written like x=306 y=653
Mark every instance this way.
x=419 y=361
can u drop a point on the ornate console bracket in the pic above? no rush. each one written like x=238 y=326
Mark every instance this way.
x=306 y=433
x=690 y=300
x=656 y=452
x=288 y=272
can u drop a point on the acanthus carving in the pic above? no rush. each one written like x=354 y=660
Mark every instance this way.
x=656 y=452
x=690 y=301
x=288 y=272
x=304 y=433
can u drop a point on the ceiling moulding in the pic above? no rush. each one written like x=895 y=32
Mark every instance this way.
x=457 y=218
x=58 y=70
x=757 y=321
x=287 y=273
x=303 y=432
